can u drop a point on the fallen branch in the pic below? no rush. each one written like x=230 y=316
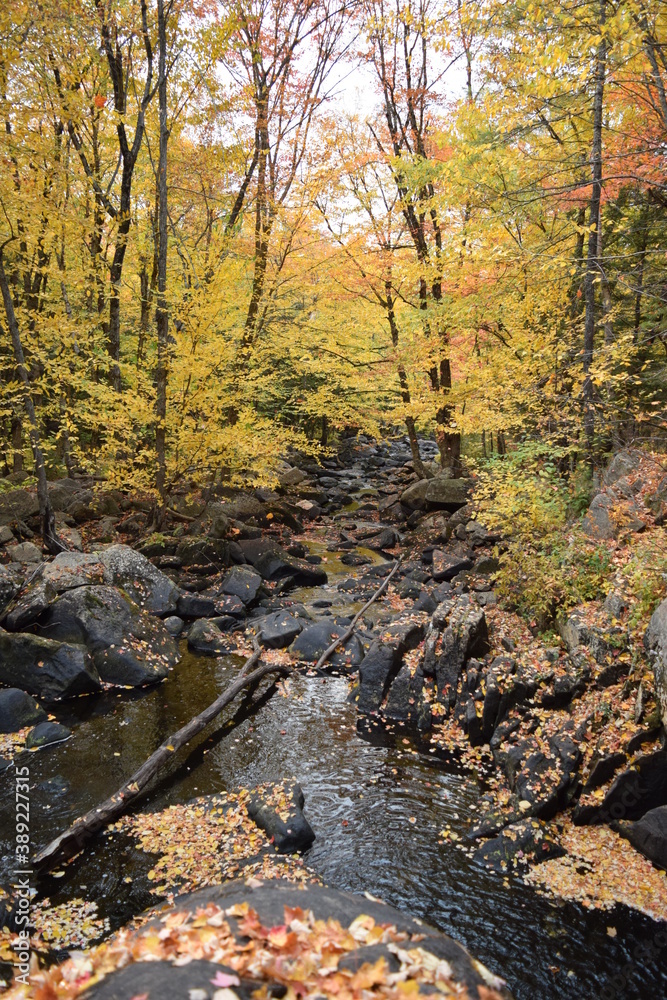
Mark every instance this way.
x=72 y=840
x=346 y=635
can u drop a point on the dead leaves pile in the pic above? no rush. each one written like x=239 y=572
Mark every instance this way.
x=600 y=870
x=206 y=842
x=71 y=925
x=302 y=955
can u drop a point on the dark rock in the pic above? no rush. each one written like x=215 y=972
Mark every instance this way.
x=382 y=663
x=386 y=539
x=279 y=629
x=228 y=604
x=465 y=636
x=201 y=551
x=604 y=769
x=633 y=792
x=206 y=638
x=242 y=582
x=602 y=641
x=174 y=625
x=17 y=710
x=314 y=639
x=518 y=846
x=9 y=587
x=649 y=835
x=273 y=563
x=446 y=565
x=46 y=668
x=128 y=645
x=265 y=807
x=47 y=733
x=355 y=559
x=17 y=505
x=158 y=545
x=655 y=643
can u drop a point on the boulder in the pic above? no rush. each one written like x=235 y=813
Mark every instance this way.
x=9 y=587
x=6 y=535
x=279 y=629
x=204 y=551
x=174 y=625
x=17 y=505
x=17 y=710
x=655 y=643
x=24 y=553
x=128 y=646
x=116 y=565
x=382 y=663
x=518 y=846
x=635 y=791
x=47 y=733
x=598 y=522
x=649 y=835
x=206 y=638
x=586 y=630
x=622 y=464
x=62 y=492
x=46 y=668
x=272 y=562
x=312 y=642
x=242 y=582
x=446 y=564
x=278 y=810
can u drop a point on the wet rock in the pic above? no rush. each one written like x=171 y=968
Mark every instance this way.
x=279 y=629
x=24 y=552
x=655 y=643
x=17 y=505
x=273 y=563
x=355 y=559
x=128 y=645
x=205 y=637
x=243 y=582
x=518 y=846
x=633 y=792
x=116 y=565
x=648 y=835
x=47 y=733
x=17 y=710
x=314 y=639
x=381 y=665
x=46 y=668
x=446 y=564
x=278 y=810
x=202 y=551
x=174 y=625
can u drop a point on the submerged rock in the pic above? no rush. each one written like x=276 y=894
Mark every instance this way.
x=47 y=733
x=206 y=638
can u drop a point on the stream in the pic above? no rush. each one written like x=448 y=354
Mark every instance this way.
x=375 y=799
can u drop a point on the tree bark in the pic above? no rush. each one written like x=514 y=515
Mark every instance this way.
x=162 y=315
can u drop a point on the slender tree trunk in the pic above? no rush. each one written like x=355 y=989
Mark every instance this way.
x=405 y=389
x=52 y=543
x=17 y=443
x=162 y=316
x=592 y=262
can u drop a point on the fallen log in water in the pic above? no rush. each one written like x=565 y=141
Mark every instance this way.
x=72 y=840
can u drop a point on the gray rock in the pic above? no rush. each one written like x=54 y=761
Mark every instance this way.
x=63 y=491
x=649 y=835
x=128 y=645
x=6 y=535
x=203 y=551
x=47 y=733
x=446 y=565
x=116 y=565
x=242 y=582
x=518 y=846
x=46 y=668
x=292 y=477
x=279 y=629
x=598 y=522
x=24 y=552
x=600 y=641
x=17 y=505
x=314 y=639
x=9 y=587
x=206 y=638
x=174 y=625
x=655 y=643
x=17 y=710
x=621 y=465
x=273 y=563
x=270 y=804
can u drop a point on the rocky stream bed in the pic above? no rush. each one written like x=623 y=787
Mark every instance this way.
x=509 y=793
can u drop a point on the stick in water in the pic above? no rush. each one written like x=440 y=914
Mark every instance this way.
x=72 y=840
x=346 y=635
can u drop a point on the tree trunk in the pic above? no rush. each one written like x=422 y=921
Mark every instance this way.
x=52 y=543
x=162 y=315
x=17 y=443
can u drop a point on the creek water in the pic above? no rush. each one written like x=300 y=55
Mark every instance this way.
x=375 y=799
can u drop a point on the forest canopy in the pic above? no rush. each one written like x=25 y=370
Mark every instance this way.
x=231 y=229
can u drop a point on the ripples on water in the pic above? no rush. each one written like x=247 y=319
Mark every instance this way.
x=361 y=794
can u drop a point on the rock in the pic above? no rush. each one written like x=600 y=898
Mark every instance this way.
x=386 y=539
x=465 y=635
x=615 y=604
x=273 y=563
x=158 y=545
x=649 y=835
x=9 y=587
x=17 y=505
x=598 y=523
x=486 y=565
x=243 y=582
x=220 y=526
x=292 y=477
x=382 y=663
x=518 y=846
x=17 y=710
x=128 y=646
x=47 y=733
x=446 y=565
x=465 y=976
x=632 y=793
x=196 y=606
x=63 y=491
x=586 y=630
x=46 y=668
x=311 y=643
x=655 y=643
x=277 y=809
x=6 y=535
x=116 y=565
x=355 y=559
x=24 y=552
x=174 y=625
x=622 y=464
x=203 y=551
x=206 y=638
x=279 y=629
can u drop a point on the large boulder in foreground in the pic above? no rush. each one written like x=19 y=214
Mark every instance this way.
x=128 y=646
x=655 y=642
x=46 y=668
x=283 y=914
x=649 y=835
x=117 y=565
